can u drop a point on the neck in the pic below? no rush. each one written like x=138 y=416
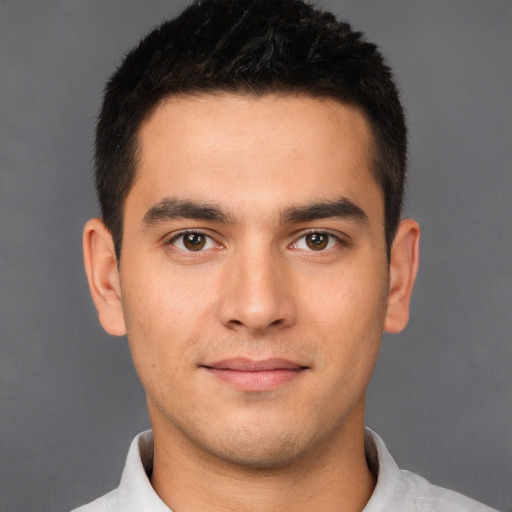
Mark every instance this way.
x=334 y=476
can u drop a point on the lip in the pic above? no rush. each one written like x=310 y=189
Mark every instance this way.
x=252 y=375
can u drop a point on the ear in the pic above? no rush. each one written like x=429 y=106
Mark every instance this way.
x=103 y=276
x=403 y=267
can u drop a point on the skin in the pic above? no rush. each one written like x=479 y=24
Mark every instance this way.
x=259 y=289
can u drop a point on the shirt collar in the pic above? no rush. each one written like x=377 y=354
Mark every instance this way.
x=135 y=490
x=391 y=492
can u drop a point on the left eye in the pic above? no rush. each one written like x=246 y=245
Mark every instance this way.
x=316 y=242
x=192 y=241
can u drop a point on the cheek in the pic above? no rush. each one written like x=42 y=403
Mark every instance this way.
x=159 y=298
x=163 y=317
x=349 y=316
x=347 y=303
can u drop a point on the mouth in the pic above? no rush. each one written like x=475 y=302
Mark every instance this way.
x=250 y=375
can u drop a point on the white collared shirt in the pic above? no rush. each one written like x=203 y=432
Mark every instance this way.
x=396 y=490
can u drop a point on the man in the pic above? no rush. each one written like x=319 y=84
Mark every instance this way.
x=250 y=164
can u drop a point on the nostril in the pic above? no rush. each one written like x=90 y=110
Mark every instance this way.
x=275 y=323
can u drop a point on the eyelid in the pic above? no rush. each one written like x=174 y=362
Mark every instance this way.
x=340 y=239
x=180 y=234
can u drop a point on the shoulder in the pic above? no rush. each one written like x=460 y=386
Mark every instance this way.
x=431 y=498
x=134 y=492
x=106 y=503
x=403 y=491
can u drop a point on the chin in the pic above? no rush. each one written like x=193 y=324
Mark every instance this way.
x=257 y=449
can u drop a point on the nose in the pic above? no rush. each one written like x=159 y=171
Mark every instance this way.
x=257 y=293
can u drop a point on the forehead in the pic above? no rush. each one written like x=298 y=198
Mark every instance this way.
x=265 y=150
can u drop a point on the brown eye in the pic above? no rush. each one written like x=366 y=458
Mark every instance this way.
x=194 y=241
x=317 y=241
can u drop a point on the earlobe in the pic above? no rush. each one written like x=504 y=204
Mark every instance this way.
x=103 y=276
x=403 y=267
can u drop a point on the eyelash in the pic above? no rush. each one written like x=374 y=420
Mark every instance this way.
x=181 y=236
x=331 y=238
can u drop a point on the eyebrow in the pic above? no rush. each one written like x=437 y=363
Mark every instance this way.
x=342 y=208
x=170 y=208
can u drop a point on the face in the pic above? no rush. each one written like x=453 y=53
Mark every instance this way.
x=253 y=276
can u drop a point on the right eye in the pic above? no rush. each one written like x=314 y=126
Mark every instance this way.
x=192 y=241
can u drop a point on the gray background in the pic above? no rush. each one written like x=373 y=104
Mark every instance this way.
x=70 y=401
